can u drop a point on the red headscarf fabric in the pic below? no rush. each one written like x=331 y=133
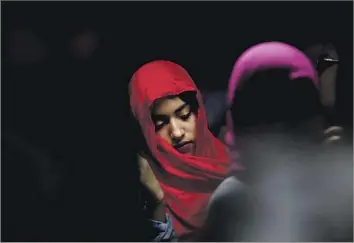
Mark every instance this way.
x=187 y=181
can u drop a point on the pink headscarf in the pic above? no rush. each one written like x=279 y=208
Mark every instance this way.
x=268 y=55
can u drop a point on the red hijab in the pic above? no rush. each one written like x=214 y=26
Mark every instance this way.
x=187 y=181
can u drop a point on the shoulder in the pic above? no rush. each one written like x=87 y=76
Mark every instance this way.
x=229 y=197
x=230 y=188
x=224 y=211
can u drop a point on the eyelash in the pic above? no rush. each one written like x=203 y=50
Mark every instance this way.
x=161 y=125
x=186 y=116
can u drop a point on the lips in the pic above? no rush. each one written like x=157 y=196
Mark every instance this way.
x=185 y=147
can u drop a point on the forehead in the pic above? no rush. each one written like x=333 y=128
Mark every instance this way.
x=167 y=105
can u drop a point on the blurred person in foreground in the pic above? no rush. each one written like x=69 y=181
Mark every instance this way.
x=324 y=57
x=285 y=183
x=187 y=160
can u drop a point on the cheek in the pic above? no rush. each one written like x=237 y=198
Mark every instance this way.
x=191 y=126
x=163 y=133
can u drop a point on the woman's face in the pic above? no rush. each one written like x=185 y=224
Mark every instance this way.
x=175 y=122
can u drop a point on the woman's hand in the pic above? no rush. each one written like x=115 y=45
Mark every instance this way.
x=156 y=208
x=148 y=179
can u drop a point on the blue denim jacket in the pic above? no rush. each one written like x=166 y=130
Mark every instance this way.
x=165 y=231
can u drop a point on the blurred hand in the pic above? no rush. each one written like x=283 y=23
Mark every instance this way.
x=333 y=134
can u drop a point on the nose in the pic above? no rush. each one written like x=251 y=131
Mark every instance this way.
x=177 y=131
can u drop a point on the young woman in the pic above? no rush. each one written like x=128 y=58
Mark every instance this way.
x=187 y=160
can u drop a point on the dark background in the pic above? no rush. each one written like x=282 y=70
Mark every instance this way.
x=68 y=165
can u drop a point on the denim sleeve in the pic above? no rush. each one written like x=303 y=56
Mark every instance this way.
x=165 y=231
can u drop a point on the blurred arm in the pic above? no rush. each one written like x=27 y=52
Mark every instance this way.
x=327 y=70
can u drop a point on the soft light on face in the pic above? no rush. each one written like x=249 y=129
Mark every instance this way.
x=175 y=122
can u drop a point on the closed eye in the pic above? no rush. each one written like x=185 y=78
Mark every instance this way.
x=159 y=126
x=160 y=122
x=186 y=116
x=184 y=112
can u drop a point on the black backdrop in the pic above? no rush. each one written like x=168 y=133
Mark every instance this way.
x=75 y=110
